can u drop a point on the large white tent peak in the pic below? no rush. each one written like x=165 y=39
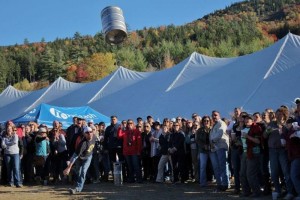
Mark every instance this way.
x=267 y=78
x=11 y=94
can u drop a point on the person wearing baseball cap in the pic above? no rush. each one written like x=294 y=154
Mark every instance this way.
x=83 y=153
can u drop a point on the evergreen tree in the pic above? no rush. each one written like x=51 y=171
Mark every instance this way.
x=47 y=64
x=4 y=71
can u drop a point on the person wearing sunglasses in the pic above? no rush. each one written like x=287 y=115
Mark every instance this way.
x=155 y=151
x=83 y=154
x=202 y=139
x=11 y=156
x=165 y=158
x=132 y=148
x=219 y=141
x=113 y=144
x=146 y=148
x=176 y=150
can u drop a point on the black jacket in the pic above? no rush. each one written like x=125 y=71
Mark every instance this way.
x=177 y=140
x=164 y=140
x=146 y=144
x=110 y=137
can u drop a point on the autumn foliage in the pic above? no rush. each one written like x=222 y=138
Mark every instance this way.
x=239 y=29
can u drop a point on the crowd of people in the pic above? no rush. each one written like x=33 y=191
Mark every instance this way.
x=259 y=152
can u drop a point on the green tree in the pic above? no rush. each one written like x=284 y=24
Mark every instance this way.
x=131 y=59
x=225 y=49
x=26 y=41
x=100 y=65
x=154 y=57
x=12 y=72
x=46 y=65
x=59 y=67
x=23 y=85
x=3 y=72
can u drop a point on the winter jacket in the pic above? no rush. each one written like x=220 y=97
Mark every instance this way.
x=254 y=148
x=218 y=136
x=132 y=141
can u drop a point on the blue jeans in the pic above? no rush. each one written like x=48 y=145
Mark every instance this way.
x=13 y=168
x=236 y=165
x=279 y=157
x=134 y=168
x=295 y=174
x=220 y=166
x=164 y=159
x=83 y=167
x=203 y=165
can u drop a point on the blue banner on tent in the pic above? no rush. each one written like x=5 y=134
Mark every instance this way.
x=46 y=114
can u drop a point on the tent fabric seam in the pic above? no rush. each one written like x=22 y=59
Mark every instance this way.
x=103 y=87
x=277 y=57
x=268 y=72
x=181 y=72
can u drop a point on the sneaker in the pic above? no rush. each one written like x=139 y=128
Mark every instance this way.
x=95 y=181
x=185 y=182
x=19 y=186
x=72 y=191
x=236 y=192
x=218 y=189
x=288 y=196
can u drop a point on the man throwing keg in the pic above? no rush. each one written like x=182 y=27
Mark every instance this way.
x=83 y=155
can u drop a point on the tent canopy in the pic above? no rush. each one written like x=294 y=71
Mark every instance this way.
x=46 y=114
x=265 y=79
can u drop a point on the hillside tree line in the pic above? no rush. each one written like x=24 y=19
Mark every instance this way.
x=240 y=29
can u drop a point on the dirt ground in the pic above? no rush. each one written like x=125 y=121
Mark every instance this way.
x=143 y=191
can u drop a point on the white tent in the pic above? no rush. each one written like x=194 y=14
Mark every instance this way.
x=265 y=79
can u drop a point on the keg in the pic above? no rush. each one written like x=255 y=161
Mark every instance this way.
x=113 y=25
x=118 y=178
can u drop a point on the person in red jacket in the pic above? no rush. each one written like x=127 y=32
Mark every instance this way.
x=132 y=147
x=251 y=137
x=293 y=148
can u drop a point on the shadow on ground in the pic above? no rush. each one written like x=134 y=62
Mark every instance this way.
x=146 y=191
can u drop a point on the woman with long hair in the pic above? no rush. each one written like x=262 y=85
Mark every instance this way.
x=12 y=156
x=275 y=134
x=202 y=138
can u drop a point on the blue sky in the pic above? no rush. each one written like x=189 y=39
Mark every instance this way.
x=51 y=19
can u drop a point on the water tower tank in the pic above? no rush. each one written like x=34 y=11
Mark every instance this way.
x=113 y=25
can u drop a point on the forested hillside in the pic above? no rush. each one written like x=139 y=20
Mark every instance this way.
x=239 y=29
